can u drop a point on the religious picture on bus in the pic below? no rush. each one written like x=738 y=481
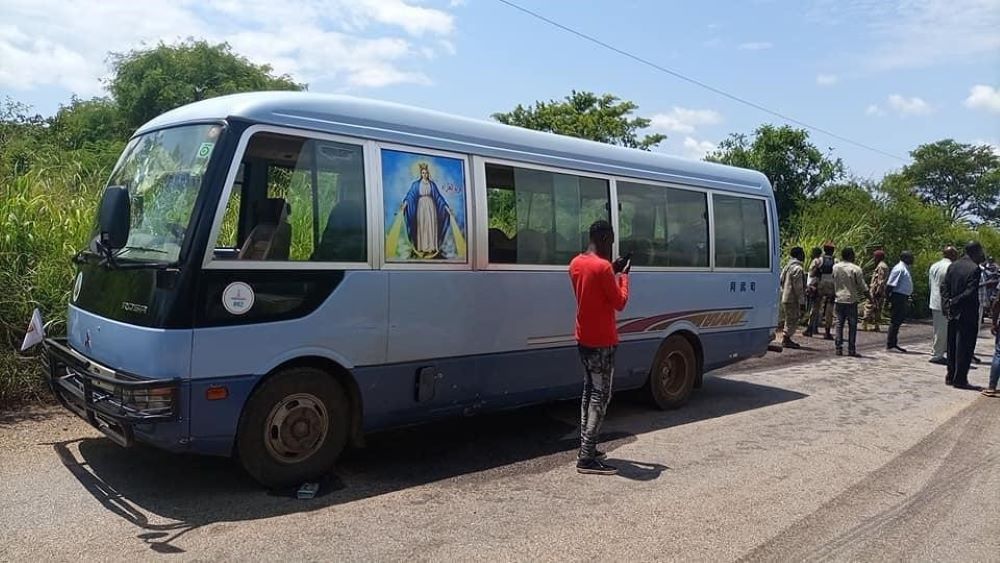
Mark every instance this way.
x=424 y=207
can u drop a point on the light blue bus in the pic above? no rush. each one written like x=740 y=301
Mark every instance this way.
x=273 y=275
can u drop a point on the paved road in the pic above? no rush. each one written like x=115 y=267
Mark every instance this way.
x=803 y=457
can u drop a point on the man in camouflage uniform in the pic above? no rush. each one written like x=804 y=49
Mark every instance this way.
x=821 y=270
x=793 y=295
x=873 y=308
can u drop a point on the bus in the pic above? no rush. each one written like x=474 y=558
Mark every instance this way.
x=275 y=274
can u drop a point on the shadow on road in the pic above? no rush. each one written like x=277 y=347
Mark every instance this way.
x=167 y=495
x=33 y=413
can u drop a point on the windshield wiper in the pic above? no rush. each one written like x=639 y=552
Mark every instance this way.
x=140 y=248
x=115 y=260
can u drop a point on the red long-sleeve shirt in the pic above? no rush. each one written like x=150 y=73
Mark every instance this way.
x=598 y=296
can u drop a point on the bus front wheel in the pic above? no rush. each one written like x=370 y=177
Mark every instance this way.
x=293 y=428
x=674 y=372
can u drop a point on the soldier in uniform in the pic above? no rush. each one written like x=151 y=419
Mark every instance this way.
x=873 y=308
x=793 y=295
x=821 y=270
x=810 y=282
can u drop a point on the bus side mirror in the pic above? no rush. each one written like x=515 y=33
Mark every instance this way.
x=114 y=218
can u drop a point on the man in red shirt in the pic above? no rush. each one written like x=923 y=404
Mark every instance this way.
x=599 y=293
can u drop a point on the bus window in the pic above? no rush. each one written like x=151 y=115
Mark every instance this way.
x=541 y=217
x=741 y=239
x=296 y=199
x=663 y=226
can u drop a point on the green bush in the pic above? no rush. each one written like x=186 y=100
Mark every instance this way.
x=46 y=215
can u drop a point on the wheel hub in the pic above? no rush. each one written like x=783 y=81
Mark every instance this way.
x=296 y=428
x=672 y=372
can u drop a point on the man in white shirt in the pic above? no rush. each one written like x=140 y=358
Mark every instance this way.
x=936 y=277
x=900 y=291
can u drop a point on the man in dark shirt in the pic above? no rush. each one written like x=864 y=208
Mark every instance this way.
x=960 y=299
x=599 y=294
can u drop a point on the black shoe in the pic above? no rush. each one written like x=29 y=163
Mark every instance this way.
x=790 y=344
x=967 y=387
x=594 y=467
x=828 y=336
x=938 y=361
x=840 y=352
x=808 y=334
x=854 y=354
x=896 y=348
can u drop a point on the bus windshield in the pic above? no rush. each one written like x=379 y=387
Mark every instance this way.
x=163 y=172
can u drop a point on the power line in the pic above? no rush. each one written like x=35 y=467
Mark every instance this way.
x=696 y=82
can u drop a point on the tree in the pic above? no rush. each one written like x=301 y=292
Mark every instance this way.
x=586 y=115
x=795 y=167
x=85 y=123
x=146 y=83
x=965 y=179
x=20 y=133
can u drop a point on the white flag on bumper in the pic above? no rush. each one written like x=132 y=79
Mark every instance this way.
x=36 y=332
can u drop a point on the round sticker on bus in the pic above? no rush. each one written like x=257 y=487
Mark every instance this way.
x=237 y=298
x=77 y=285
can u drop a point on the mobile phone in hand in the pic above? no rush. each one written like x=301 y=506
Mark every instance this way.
x=622 y=263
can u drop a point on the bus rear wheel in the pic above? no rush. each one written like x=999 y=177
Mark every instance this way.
x=675 y=370
x=293 y=428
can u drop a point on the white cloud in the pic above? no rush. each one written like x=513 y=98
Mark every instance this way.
x=826 y=79
x=873 y=109
x=909 y=106
x=416 y=20
x=684 y=120
x=756 y=46
x=918 y=33
x=984 y=97
x=694 y=148
x=354 y=43
x=456 y=3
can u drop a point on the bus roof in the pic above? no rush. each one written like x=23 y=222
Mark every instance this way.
x=397 y=123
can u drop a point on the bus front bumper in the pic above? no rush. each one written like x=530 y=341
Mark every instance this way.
x=111 y=401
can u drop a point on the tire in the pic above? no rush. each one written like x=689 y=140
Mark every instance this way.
x=674 y=372
x=293 y=428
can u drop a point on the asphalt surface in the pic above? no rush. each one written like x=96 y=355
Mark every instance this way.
x=794 y=456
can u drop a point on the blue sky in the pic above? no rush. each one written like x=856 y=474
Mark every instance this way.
x=888 y=73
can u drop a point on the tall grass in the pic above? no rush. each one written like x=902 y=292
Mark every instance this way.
x=46 y=214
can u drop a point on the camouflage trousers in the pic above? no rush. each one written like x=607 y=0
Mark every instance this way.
x=822 y=310
x=873 y=311
x=599 y=365
x=788 y=319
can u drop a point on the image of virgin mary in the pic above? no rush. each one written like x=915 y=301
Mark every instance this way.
x=426 y=214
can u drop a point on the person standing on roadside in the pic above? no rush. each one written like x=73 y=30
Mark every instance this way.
x=960 y=299
x=599 y=292
x=874 y=305
x=987 y=285
x=815 y=253
x=821 y=270
x=899 y=288
x=849 y=289
x=991 y=391
x=793 y=295
x=935 y=278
